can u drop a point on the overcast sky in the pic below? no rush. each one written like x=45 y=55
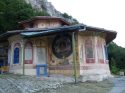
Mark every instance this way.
x=108 y=14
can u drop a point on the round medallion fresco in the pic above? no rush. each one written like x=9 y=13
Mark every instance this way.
x=62 y=46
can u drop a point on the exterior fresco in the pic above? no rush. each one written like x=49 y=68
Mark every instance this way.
x=89 y=50
x=62 y=46
x=96 y=63
x=44 y=45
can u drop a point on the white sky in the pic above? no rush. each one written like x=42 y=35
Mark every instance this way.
x=108 y=14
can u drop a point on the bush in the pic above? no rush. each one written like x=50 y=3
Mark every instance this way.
x=114 y=68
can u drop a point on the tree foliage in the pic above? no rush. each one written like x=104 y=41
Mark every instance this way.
x=66 y=16
x=116 y=57
x=13 y=11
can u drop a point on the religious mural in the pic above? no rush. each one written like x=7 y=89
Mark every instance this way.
x=100 y=51
x=89 y=50
x=81 y=54
x=62 y=46
x=28 y=53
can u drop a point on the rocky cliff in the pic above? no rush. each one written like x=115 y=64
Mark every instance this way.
x=44 y=5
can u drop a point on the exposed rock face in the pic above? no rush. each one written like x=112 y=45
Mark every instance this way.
x=42 y=5
x=51 y=10
x=35 y=4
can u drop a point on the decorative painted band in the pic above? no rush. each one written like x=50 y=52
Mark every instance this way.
x=67 y=67
x=28 y=62
x=93 y=67
x=101 y=61
x=15 y=67
x=64 y=67
x=90 y=60
x=78 y=67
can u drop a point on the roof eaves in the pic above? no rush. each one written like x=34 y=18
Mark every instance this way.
x=100 y=29
x=52 y=31
x=110 y=34
x=43 y=31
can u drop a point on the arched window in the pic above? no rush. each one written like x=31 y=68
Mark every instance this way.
x=16 y=53
x=89 y=50
x=28 y=53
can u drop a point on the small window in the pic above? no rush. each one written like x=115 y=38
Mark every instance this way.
x=28 y=53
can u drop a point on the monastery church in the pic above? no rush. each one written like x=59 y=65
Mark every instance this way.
x=50 y=45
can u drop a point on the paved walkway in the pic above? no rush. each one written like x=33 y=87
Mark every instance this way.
x=119 y=85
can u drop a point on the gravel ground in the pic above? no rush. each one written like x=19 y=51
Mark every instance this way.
x=87 y=87
x=11 y=83
x=28 y=84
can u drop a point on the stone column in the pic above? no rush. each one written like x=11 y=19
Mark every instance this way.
x=12 y=53
x=22 y=56
x=96 y=50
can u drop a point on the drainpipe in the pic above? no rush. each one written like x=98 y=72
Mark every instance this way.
x=74 y=55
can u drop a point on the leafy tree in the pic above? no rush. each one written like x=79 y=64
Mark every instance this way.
x=116 y=57
x=113 y=66
x=13 y=11
x=67 y=17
